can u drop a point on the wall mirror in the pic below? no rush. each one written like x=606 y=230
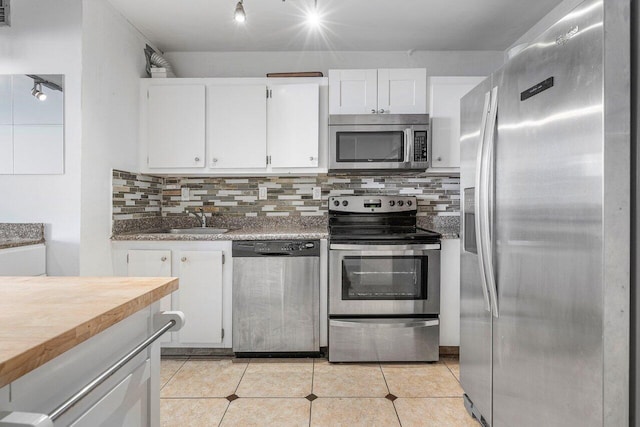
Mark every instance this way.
x=31 y=124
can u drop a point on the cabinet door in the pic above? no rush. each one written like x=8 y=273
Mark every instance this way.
x=450 y=293
x=237 y=126
x=402 y=91
x=200 y=296
x=353 y=91
x=292 y=129
x=446 y=93
x=38 y=149
x=6 y=149
x=151 y=263
x=176 y=126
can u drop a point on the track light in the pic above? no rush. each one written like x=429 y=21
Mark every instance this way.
x=313 y=16
x=37 y=92
x=239 y=14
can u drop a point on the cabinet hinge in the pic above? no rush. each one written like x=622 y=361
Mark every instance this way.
x=223 y=258
x=127 y=258
x=147 y=94
x=267 y=93
x=268 y=159
x=222 y=333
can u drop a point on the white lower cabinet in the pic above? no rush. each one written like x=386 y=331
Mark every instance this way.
x=23 y=261
x=204 y=296
x=450 y=292
x=200 y=296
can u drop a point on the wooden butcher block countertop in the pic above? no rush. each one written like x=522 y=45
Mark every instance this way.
x=42 y=317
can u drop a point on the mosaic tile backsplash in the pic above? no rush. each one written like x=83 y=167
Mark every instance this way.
x=139 y=196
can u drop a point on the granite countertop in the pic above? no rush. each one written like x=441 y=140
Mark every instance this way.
x=42 y=317
x=13 y=235
x=245 y=233
x=14 y=242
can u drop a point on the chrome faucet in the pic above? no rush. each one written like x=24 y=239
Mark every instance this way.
x=200 y=216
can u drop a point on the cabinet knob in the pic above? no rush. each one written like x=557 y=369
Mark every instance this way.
x=197 y=159
x=373 y=111
x=183 y=259
x=312 y=158
x=214 y=160
x=381 y=111
x=439 y=158
x=163 y=259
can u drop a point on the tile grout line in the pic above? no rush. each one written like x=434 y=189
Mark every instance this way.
x=174 y=374
x=389 y=392
x=234 y=392
x=313 y=376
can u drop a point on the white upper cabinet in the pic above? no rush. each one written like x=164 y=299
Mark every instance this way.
x=237 y=124
x=382 y=91
x=218 y=126
x=292 y=129
x=402 y=91
x=445 y=95
x=353 y=91
x=176 y=126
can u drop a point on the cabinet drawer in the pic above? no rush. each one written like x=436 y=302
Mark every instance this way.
x=384 y=340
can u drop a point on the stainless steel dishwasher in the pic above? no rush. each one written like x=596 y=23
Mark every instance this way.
x=276 y=305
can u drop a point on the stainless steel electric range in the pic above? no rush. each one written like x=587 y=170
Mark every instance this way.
x=384 y=281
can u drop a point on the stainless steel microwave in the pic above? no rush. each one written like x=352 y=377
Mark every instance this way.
x=379 y=142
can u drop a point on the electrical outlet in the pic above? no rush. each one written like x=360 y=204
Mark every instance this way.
x=317 y=193
x=184 y=194
x=262 y=193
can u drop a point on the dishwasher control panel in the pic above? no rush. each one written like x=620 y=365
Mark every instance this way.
x=276 y=248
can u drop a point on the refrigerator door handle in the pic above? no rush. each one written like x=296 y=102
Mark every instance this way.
x=478 y=196
x=485 y=207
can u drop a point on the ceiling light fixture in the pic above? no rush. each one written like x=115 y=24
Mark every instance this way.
x=37 y=91
x=240 y=15
x=313 y=16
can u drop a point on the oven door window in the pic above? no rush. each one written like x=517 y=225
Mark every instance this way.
x=384 y=277
x=370 y=147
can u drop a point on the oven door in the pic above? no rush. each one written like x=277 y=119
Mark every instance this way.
x=384 y=279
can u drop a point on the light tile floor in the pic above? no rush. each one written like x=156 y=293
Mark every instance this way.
x=310 y=392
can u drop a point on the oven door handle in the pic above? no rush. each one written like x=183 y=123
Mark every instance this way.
x=351 y=247
x=381 y=324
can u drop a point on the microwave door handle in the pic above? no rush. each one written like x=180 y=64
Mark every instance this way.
x=408 y=144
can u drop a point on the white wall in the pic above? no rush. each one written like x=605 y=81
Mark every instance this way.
x=112 y=61
x=45 y=38
x=257 y=64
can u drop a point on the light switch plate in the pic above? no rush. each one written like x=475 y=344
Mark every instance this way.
x=262 y=193
x=184 y=194
x=317 y=193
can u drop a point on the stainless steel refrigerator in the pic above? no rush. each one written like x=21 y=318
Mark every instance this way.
x=545 y=254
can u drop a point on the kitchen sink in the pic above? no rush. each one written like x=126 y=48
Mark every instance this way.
x=198 y=230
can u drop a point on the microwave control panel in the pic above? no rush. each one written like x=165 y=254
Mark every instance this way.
x=420 y=146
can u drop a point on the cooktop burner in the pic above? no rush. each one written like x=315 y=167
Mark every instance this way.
x=385 y=219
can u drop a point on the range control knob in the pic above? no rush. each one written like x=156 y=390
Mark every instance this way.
x=392 y=203
x=309 y=245
x=400 y=203
x=336 y=203
x=409 y=202
x=345 y=203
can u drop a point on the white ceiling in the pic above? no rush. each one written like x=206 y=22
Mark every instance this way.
x=349 y=25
